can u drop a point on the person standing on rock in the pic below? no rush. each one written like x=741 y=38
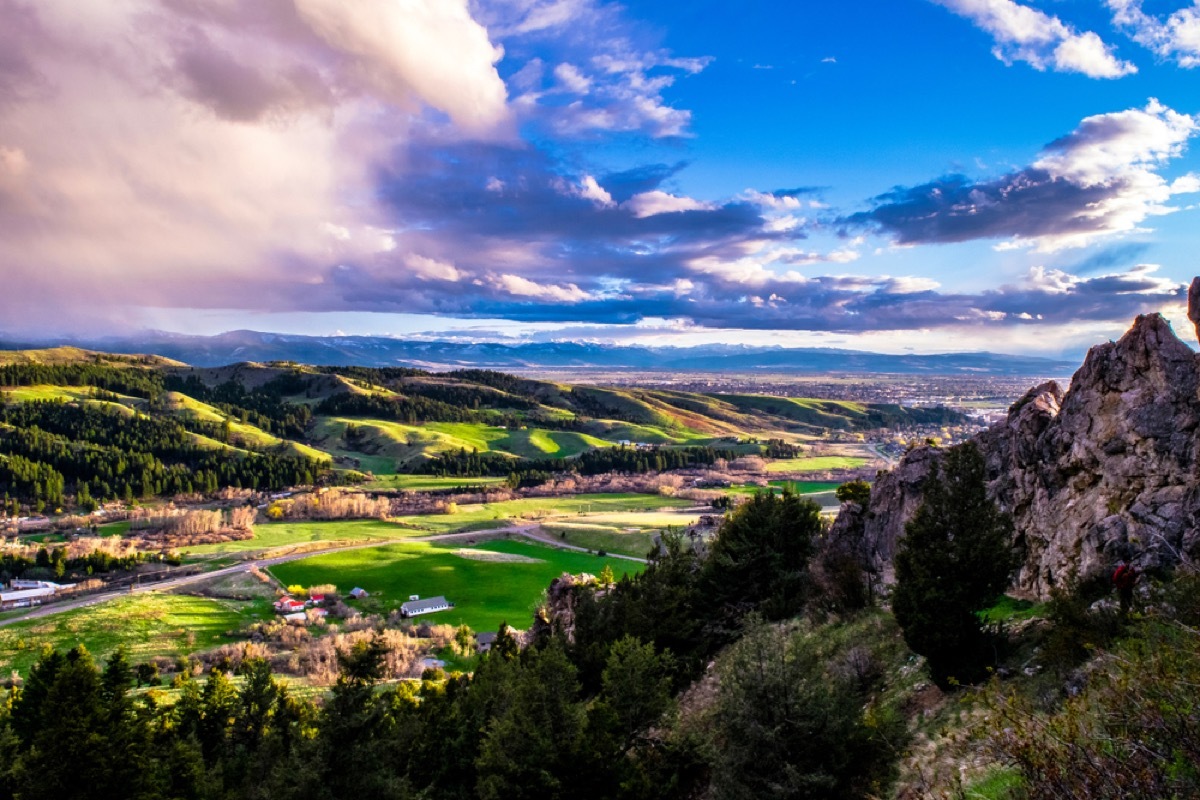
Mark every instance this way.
x=1124 y=578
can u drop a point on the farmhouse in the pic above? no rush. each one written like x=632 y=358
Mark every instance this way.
x=416 y=607
x=288 y=605
x=358 y=593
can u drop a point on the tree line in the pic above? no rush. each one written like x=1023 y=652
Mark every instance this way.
x=632 y=460
x=52 y=449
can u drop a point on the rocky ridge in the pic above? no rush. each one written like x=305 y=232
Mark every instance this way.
x=1107 y=470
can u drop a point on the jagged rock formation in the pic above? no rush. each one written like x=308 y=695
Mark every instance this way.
x=1194 y=304
x=1109 y=469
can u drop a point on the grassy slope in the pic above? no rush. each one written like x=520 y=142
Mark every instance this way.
x=245 y=435
x=58 y=356
x=838 y=414
x=485 y=593
x=390 y=443
x=147 y=625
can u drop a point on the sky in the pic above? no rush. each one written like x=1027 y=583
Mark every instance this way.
x=889 y=175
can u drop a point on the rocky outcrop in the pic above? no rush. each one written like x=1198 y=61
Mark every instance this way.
x=557 y=614
x=1194 y=304
x=1109 y=469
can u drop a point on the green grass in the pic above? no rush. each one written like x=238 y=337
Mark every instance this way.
x=286 y=534
x=999 y=784
x=384 y=444
x=808 y=487
x=485 y=593
x=427 y=483
x=816 y=463
x=147 y=625
x=25 y=394
x=1010 y=609
x=115 y=528
x=600 y=538
x=240 y=434
x=493 y=515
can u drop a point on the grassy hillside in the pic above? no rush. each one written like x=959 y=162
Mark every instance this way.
x=395 y=420
x=59 y=356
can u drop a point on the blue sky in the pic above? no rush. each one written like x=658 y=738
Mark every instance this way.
x=923 y=175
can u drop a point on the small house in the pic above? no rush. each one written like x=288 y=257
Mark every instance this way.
x=484 y=641
x=415 y=608
x=358 y=593
x=288 y=605
x=316 y=599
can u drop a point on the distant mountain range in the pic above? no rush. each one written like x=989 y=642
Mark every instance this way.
x=378 y=351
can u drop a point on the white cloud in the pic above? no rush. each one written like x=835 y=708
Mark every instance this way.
x=1177 y=37
x=432 y=269
x=571 y=79
x=1043 y=41
x=647 y=204
x=602 y=58
x=1120 y=144
x=593 y=191
x=432 y=49
x=155 y=172
x=523 y=287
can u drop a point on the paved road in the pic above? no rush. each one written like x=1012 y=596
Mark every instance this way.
x=531 y=531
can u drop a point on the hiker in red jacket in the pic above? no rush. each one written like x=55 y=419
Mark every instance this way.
x=1123 y=578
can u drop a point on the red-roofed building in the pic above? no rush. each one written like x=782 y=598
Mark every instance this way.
x=288 y=605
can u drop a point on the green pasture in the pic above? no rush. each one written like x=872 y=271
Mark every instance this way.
x=274 y=535
x=146 y=625
x=635 y=543
x=816 y=463
x=500 y=581
x=427 y=483
x=493 y=515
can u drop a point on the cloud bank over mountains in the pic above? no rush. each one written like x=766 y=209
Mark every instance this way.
x=427 y=156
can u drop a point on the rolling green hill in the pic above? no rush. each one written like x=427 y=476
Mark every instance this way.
x=262 y=422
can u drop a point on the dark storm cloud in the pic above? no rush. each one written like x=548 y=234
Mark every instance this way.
x=1100 y=180
x=1029 y=204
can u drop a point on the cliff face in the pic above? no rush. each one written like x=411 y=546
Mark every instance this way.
x=1107 y=470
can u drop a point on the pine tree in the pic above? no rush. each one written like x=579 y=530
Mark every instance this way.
x=956 y=557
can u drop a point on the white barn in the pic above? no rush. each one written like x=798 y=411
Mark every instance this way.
x=416 y=607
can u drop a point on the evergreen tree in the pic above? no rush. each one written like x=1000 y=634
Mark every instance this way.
x=956 y=557
x=759 y=559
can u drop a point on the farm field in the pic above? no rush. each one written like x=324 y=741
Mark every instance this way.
x=635 y=543
x=500 y=581
x=630 y=533
x=426 y=483
x=285 y=534
x=146 y=625
x=816 y=463
x=491 y=515
x=799 y=487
